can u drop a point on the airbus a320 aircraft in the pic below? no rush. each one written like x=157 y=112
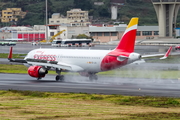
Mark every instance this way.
x=85 y=62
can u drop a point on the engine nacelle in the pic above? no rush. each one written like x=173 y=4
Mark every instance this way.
x=134 y=57
x=37 y=71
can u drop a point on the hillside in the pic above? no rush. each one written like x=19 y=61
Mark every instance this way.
x=36 y=10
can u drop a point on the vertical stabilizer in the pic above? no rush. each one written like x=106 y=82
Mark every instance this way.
x=127 y=41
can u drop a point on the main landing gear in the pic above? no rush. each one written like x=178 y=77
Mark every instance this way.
x=59 y=77
x=39 y=78
x=93 y=76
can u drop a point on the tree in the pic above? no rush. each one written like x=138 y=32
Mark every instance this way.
x=81 y=36
x=103 y=12
x=83 y=4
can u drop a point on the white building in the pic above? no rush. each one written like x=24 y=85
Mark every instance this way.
x=75 y=17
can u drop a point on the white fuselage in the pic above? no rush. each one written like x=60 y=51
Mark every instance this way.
x=89 y=60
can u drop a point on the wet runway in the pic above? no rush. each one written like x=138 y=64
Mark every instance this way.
x=104 y=85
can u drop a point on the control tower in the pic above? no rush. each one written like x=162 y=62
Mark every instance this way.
x=115 y=4
x=166 y=11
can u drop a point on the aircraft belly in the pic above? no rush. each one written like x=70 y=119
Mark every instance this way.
x=87 y=65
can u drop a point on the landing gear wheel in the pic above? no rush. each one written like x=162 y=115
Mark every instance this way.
x=39 y=78
x=93 y=77
x=60 y=78
x=90 y=77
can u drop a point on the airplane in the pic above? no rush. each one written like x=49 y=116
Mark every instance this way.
x=85 y=62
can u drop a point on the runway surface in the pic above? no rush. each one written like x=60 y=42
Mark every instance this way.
x=104 y=85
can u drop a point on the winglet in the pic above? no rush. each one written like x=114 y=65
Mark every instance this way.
x=10 y=53
x=14 y=60
x=167 y=53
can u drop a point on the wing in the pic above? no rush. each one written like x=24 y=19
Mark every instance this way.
x=45 y=63
x=55 y=64
x=145 y=58
x=158 y=55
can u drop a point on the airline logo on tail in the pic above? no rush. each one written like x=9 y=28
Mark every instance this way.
x=123 y=53
x=127 y=41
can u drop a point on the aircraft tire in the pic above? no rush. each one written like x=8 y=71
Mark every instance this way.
x=57 y=78
x=39 y=78
x=93 y=77
x=60 y=78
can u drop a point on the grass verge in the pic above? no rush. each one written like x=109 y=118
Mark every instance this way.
x=18 y=56
x=33 y=105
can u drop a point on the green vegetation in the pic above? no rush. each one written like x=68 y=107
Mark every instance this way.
x=36 y=10
x=12 y=68
x=82 y=36
x=34 y=105
x=161 y=102
x=19 y=56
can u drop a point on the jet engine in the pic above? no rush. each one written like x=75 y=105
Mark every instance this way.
x=134 y=57
x=37 y=71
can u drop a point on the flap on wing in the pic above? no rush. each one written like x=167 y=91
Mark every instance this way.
x=41 y=61
x=155 y=55
x=36 y=60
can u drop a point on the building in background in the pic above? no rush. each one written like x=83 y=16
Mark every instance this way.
x=166 y=11
x=75 y=17
x=99 y=33
x=105 y=34
x=69 y=33
x=115 y=4
x=24 y=33
x=12 y=14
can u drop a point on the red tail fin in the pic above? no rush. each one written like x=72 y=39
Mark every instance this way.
x=127 y=41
